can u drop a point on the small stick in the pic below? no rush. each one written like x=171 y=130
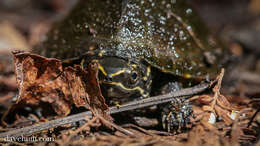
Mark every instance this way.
x=127 y=132
x=184 y=93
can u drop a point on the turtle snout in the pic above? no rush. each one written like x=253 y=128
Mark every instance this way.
x=109 y=78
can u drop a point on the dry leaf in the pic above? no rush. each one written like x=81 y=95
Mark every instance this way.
x=224 y=114
x=224 y=103
x=43 y=79
x=207 y=108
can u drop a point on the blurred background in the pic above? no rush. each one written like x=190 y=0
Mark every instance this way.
x=236 y=22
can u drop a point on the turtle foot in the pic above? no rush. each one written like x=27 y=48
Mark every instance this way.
x=176 y=115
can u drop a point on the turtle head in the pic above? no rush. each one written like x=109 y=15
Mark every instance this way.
x=122 y=79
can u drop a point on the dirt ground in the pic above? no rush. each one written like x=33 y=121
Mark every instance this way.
x=227 y=114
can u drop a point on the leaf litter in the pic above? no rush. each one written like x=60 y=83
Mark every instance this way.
x=216 y=121
x=42 y=79
x=236 y=117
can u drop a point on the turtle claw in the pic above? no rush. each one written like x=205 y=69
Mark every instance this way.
x=175 y=115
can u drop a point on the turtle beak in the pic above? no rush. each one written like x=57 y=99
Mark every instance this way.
x=112 y=91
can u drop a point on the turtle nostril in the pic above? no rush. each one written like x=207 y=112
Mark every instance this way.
x=109 y=77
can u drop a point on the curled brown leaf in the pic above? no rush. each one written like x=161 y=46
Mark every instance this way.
x=43 y=79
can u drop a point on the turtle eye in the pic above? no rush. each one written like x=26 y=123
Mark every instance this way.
x=133 y=76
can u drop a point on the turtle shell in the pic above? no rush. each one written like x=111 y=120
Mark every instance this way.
x=167 y=34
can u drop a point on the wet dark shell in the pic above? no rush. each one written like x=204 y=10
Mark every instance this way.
x=165 y=33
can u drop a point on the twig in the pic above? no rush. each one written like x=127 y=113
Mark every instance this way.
x=6 y=97
x=67 y=139
x=184 y=93
x=127 y=132
x=139 y=129
x=249 y=77
x=252 y=118
x=236 y=129
x=216 y=89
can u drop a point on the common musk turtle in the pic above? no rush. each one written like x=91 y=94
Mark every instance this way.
x=134 y=41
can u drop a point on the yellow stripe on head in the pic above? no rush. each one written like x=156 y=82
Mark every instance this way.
x=134 y=66
x=148 y=72
x=100 y=54
x=125 y=88
x=118 y=72
x=101 y=68
x=82 y=63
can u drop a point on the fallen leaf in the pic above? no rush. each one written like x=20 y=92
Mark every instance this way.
x=45 y=79
x=224 y=114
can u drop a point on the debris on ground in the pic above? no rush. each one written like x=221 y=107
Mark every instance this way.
x=228 y=113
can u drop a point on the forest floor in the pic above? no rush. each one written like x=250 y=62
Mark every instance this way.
x=226 y=114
